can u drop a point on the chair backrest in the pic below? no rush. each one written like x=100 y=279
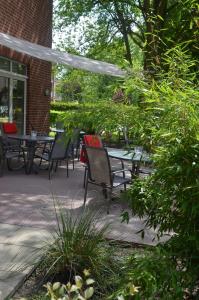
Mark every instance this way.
x=99 y=168
x=60 y=147
x=59 y=125
x=75 y=139
x=91 y=141
x=9 y=128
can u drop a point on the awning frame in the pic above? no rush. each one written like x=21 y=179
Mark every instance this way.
x=56 y=56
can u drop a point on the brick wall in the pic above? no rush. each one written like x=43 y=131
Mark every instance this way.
x=32 y=21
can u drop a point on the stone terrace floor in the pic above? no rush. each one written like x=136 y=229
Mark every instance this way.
x=27 y=217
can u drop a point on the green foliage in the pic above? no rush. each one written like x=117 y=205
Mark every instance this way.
x=55 y=116
x=155 y=275
x=169 y=198
x=64 y=106
x=153 y=27
x=76 y=243
x=107 y=118
x=78 y=85
x=82 y=289
x=79 y=243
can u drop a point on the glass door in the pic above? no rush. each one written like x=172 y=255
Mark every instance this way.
x=4 y=99
x=13 y=79
x=18 y=103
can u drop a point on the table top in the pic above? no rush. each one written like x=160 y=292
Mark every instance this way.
x=58 y=130
x=29 y=138
x=129 y=155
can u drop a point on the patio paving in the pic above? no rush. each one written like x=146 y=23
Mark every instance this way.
x=27 y=218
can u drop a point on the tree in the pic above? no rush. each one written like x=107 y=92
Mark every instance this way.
x=153 y=25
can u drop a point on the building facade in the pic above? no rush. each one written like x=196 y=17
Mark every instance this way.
x=25 y=82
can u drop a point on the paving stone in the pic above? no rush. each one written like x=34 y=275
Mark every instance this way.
x=16 y=258
x=29 y=237
x=27 y=216
x=9 y=282
x=6 y=231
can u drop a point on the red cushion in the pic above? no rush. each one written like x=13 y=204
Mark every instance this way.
x=9 y=128
x=92 y=141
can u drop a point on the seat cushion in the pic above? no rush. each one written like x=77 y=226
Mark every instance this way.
x=9 y=128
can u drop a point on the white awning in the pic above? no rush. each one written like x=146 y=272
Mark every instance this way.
x=59 y=57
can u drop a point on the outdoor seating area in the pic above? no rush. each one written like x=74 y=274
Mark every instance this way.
x=52 y=149
x=99 y=150
x=83 y=174
x=28 y=217
x=34 y=149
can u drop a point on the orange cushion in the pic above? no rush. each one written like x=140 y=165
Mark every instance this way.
x=9 y=128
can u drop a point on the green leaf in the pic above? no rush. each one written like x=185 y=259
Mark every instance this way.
x=88 y=293
x=160 y=17
x=78 y=282
x=90 y=281
x=56 y=286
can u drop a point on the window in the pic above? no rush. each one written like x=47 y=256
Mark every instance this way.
x=13 y=92
x=12 y=66
x=4 y=64
x=18 y=68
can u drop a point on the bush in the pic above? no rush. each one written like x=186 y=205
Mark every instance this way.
x=64 y=106
x=155 y=276
x=81 y=289
x=79 y=243
x=169 y=198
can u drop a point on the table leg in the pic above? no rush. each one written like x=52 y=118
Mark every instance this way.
x=30 y=156
x=135 y=169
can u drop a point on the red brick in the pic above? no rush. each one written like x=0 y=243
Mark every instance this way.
x=31 y=20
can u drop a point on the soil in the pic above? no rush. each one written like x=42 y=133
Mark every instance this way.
x=34 y=285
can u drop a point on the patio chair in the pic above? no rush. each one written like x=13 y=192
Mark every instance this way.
x=100 y=173
x=59 y=152
x=11 y=154
x=92 y=141
x=9 y=128
x=96 y=142
x=75 y=145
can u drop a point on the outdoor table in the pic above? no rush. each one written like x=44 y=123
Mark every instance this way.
x=130 y=155
x=31 y=143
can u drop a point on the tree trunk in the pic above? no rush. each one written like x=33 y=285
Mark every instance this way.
x=154 y=13
x=124 y=31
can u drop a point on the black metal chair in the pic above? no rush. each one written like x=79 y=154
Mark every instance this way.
x=59 y=152
x=12 y=154
x=100 y=173
x=74 y=148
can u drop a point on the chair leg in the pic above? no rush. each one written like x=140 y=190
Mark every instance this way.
x=85 y=176
x=2 y=166
x=109 y=200
x=67 y=167
x=40 y=162
x=73 y=159
x=85 y=192
x=8 y=165
x=73 y=156
x=104 y=191
x=50 y=168
x=122 y=163
x=56 y=165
